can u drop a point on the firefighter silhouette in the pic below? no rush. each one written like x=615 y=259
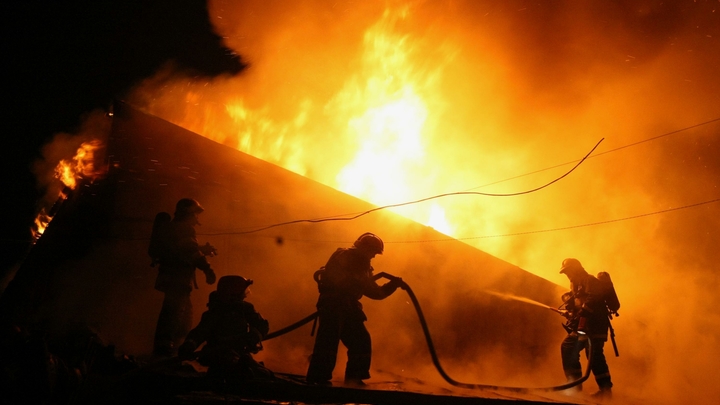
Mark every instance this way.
x=232 y=331
x=345 y=278
x=174 y=247
x=589 y=305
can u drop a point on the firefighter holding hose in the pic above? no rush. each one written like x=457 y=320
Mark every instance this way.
x=347 y=277
x=232 y=331
x=589 y=306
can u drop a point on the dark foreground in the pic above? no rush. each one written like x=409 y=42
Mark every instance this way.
x=173 y=383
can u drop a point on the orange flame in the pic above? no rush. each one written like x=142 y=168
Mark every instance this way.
x=70 y=172
x=41 y=222
x=377 y=118
x=81 y=166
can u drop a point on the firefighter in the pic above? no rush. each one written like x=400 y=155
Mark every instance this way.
x=175 y=247
x=588 y=306
x=345 y=278
x=232 y=331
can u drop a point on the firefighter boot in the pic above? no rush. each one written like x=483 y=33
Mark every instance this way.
x=604 y=394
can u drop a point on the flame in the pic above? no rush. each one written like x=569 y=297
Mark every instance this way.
x=41 y=222
x=377 y=121
x=81 y=166
x=438 y=220
x=70 y=172
x=356 y=102
x=387 y=115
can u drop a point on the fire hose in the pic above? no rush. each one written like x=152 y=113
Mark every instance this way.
x=433 y=353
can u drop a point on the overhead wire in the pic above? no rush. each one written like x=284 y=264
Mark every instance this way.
x=570 y=226
x=352 y=216
x=600 y=153
x=449 y=239
x=349 y=218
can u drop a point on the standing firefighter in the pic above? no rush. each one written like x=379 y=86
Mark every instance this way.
x=346 y=277
x=232 y=330
x=174 y=247
x=589 y=305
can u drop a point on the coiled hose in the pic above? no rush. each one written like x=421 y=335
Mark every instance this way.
x=433 y=353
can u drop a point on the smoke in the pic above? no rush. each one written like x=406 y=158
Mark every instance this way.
x=509 y=88
x=65 y=149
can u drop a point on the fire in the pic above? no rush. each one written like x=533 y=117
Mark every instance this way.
x=81 y=166
x=371 y=133
x=41 y=222
x=70 y=172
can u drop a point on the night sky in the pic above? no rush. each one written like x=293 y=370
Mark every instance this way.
x=64 y=59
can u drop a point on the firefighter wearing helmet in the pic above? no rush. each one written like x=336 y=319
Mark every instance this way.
x=232 y=331
x=589 y=304
x=347 y=277
x=175 y=248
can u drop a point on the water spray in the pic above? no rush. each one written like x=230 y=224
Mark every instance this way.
x=512 y=297
x=431 y=345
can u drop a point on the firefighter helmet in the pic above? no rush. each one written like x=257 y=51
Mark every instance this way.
x=187 y=206
x=570 y=265
x=370 y=242
x=232 y=285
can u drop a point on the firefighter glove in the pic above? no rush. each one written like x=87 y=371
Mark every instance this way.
x=210 y=277
x=208 y=250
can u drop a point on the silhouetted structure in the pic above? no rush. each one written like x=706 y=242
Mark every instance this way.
x=91 y=267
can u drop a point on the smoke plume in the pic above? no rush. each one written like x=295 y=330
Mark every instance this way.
x=513 y=90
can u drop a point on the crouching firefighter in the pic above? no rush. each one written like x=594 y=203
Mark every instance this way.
x=345 y=278
x=232 y=331
x=589 y=306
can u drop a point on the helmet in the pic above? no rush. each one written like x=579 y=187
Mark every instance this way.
x=232 y=285
x=370 y=242
x=187 y=206
x=570 y=265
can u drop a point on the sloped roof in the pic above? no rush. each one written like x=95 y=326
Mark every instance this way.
x=91 y=265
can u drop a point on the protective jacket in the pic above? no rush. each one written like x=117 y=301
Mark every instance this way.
x=233 y=326
x=180 y=255
x=588 y=306
x=347 y=278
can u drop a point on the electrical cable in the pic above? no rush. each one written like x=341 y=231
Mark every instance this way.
x=565 y=227
x=326 y=219
x=509 y=234
x=345 y=217
x=601 y=153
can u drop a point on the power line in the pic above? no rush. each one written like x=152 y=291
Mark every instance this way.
x=600 y=153
x=568 y=227
x=349 y=218
x=526 y=232
x=355 y=215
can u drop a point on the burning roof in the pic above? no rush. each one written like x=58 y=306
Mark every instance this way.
x=91 y=265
